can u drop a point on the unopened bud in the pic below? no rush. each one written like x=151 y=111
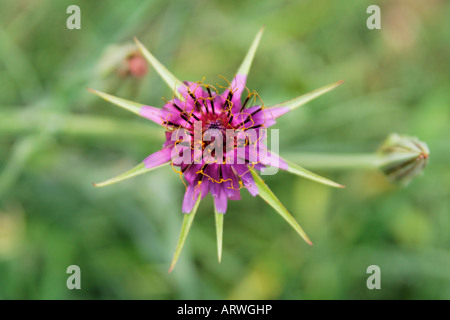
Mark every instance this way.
x=403 y=157
x=136 y=65
x=124 y=60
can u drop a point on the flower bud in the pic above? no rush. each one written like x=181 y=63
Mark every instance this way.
x=404 y=158
x=125 y=60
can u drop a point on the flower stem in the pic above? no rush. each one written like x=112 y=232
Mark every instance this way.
x=337 y=161
x=346 y=161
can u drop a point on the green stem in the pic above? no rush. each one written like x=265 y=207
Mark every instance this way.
x=349 y=161
x=337 y=161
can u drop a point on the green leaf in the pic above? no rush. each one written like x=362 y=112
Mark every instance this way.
x=165 y=74
x=139 y=169
x=302 y=172
x=246 y=64
x=271 y=199
x=299 y=101
x=126 y=104
x=219 y=232
x=187 y=223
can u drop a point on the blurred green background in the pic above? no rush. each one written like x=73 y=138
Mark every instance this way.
x=56 y=139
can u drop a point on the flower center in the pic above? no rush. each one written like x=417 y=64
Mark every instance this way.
x=217 y=124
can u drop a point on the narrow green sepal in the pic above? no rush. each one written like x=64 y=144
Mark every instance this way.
x=219 y=231
x=187 y=223
x=246 y=64
x=302 y=172
x=138 y=170
x=272 y=200
x=165 y=74
x=126 y=104
x=299 y=101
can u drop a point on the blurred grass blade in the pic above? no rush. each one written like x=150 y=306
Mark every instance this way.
x=187 y=223
x=302 y=172
x=299 y=101
x=22 y=151
x=219 y=232
x=126 y=104
x=165 y=74
x=246 y=64
x=272 y=200
x=139 y=169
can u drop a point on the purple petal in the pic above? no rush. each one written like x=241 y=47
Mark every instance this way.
x=247 y=179
x=237 y=86
x=277 y=111
x=205 y=186
x=221 y=201
x=191 y=174
x=168 y=141
x=190 y=198
x=254 y=116
x=233 y=194
x=195 y=89
x=231 y=183
x=158 y=158
x=271 y=159
x=152 y=113
x=212 y=173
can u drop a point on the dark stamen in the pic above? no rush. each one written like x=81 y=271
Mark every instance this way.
x=171 y=124
x=195 y=117
x=183 y=116
x=251 y=115
x=177 y=107
x=255 y=112
x=227 y=102
x=185 y=168
x=197 y=104
x=206 y=106
x=245 y=102
x=212 y=100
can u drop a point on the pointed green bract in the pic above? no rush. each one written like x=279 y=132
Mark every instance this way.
x=246 y=64
x=126 y=104
x=299 y=101
x=296 y=169
x=187 y=223
x=219 y=232
x=139 y=169
x=271 y=199
x=165 y=74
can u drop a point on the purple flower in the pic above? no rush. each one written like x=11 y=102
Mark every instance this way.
x=217 y=119
x=217 y=142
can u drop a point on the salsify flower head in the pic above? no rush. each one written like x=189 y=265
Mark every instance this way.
x=217 y=142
